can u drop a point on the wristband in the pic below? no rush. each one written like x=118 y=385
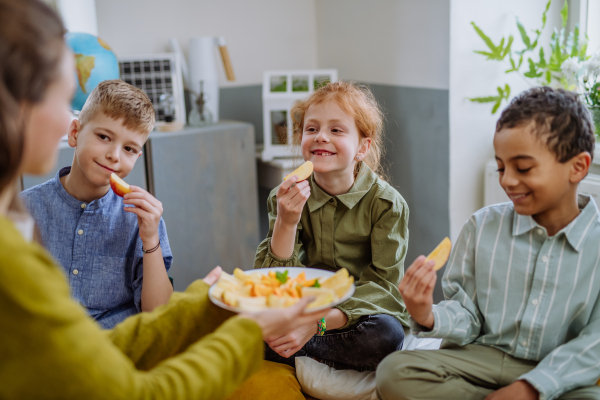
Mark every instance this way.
x=322 y=327
x=152 y=250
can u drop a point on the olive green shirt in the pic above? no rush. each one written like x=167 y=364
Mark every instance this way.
x=364 y=231
x=50 y=348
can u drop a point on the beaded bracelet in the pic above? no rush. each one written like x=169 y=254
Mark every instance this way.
x=152 y=250
x=322 y=327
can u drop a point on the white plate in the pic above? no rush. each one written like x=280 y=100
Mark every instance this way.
x=311 y=273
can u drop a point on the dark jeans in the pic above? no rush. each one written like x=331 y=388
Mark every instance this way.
x=360 y=347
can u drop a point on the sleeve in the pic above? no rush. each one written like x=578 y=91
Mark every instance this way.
x=377 y=288
x=264 y=258
x=573 y=365
x=187 y=348
x=457 y=319
x=138 y=267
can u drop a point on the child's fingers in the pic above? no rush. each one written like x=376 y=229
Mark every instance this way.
x=300 y=199
x=278 y=344
x=143 y=204
x=213 y=276
x=417 y=280
x=140 y=193
x=144 y=215
x=431 y=284
x=423 y=281
x=286 y=185
x=410 y=272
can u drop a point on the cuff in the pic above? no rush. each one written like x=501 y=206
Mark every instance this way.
x=351 y=318
x=274 y=261
x=421 y=331
x=545 y=382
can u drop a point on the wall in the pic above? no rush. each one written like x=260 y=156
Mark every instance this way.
x=400 y=48
x=472 y=125
x=260 y=34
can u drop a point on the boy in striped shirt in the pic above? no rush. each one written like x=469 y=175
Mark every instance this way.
x=521 y=319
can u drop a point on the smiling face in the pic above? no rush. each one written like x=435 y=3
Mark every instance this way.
x=331 y=140
x=104 y=145
x=531 y=175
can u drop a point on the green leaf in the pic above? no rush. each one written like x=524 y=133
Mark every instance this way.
x=506 y=91
x=544 y=16
x=496 y=51
x=508 y=46
x=524 y=36
x=485 y=38
x=282 y=277
x=564 y=13
x=542 y=62
x=575 y=48
x=532 y=73
x=496 y=106
x=488 y=99
x=548 y=77
x=317 y=284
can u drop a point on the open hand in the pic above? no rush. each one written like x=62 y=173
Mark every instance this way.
x=291 y=197
x=417 y=291
x=213 y=276
x=289 y=344
x=278 y=322
x=518 y=390
x=148 y=210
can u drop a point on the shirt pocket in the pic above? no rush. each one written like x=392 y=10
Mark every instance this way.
x=109 y=287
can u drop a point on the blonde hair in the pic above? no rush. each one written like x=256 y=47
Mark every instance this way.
x=117 y=100
x=355 y=100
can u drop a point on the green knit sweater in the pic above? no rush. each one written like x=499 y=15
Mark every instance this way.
x=50 y=348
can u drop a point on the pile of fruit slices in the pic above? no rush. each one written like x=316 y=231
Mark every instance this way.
x=257 y=291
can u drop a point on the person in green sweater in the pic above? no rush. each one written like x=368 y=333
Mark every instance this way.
x=186 y=349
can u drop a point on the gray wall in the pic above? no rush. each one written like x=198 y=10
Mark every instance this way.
x=243 y=103
x=417 y=161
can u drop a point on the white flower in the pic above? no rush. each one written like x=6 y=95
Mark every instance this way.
x=591 y=67
x=570 y=67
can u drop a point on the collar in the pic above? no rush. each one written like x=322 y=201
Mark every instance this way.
x=575 y=231
x=362 y=184
x=72 y=201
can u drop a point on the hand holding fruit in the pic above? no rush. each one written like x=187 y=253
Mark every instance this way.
x=148 y=210
x=417 y=291
x=291 y=198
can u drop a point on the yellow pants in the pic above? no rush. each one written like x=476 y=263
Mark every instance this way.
x=274 y=381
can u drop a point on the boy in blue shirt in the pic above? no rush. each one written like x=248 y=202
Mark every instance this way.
x=521 y=320
x=114 y=250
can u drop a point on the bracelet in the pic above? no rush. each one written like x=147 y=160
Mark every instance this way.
x=152 y=250
x=322 y=327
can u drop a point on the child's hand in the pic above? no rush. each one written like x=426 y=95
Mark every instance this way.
x=518 y=390
x=417 y=291
x=291 y=200
x=148 y=210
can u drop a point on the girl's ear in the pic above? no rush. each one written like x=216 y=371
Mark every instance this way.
x=74 y=129
x=580 y=166
x=365 y=145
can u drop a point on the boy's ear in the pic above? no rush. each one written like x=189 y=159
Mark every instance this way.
x=74 y=129
x=580 y=166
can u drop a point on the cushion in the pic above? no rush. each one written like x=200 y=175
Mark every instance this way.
x=326 y=383
x=272 y=381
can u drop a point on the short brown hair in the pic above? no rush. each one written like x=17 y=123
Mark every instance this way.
x=117 y=100
x=357 y=101
x=559 y=117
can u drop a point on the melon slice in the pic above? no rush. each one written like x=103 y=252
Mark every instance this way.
x=440 y=254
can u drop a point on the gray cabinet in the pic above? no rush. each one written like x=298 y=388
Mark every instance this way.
x=206 y=179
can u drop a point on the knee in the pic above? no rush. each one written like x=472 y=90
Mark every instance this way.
x=389 y=377
x=389 y=334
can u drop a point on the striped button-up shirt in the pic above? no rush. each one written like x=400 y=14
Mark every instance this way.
x=510 y=286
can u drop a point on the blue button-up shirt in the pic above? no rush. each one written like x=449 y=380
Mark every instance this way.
x=510 y=286
x=98 y=246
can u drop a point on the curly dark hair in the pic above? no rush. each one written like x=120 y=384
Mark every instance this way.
x=559 y=116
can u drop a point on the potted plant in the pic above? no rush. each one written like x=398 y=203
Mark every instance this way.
x=558 y=65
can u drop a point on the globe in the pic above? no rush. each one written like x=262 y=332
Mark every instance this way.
x=94 y=62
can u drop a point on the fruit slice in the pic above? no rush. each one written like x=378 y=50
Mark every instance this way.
x=440 y=254
x=118 y=185
x=335 y=280
x=302 y=172
x=322 y=296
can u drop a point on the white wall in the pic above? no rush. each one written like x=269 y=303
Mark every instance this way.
x=391 y=42
x=261 y=34
x=472 y=125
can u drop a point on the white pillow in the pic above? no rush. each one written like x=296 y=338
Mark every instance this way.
x=326 y=383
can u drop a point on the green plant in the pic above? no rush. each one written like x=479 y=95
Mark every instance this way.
x=544 y=66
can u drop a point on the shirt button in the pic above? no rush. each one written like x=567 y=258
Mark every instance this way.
x=83 y=205
x=540 y=231
x=524 y=343
x=331 y=200
x=535 y=302
x=545 y=259
x=75 y=271
x=80 y=232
